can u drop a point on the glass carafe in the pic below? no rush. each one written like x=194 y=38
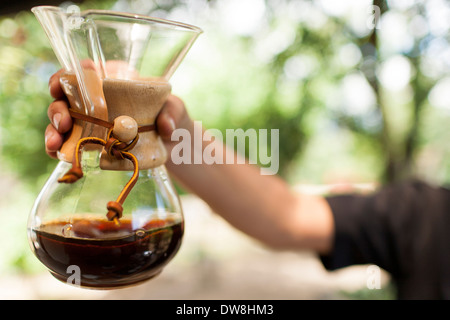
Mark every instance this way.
x=109 y=215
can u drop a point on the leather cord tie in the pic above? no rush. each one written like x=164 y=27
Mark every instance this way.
x=115 y=148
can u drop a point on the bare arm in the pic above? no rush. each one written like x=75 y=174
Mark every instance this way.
x=261 y=206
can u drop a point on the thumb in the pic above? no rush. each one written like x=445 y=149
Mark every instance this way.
x=173 y=115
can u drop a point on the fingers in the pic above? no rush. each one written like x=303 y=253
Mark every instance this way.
x=61 y=122
x=173 y=115
x=53 y=141
x=58 y=113
x=54 y=86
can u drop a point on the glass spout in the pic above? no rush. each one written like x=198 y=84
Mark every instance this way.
x=146 y=47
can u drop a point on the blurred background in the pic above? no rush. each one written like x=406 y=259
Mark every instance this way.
x=360 y=91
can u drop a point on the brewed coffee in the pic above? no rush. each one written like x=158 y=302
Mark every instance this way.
x=106 y=254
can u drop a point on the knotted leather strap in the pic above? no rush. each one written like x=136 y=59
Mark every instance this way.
x=114 y=148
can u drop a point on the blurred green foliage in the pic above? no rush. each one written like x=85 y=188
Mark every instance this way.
x=352 y=103
x=288 y=73
x=26 y=64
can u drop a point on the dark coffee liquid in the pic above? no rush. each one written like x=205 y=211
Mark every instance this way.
x=107 y=255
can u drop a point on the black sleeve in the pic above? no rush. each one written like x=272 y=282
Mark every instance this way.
x=391 y=228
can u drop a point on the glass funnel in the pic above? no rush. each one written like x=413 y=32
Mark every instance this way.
x=109 y=216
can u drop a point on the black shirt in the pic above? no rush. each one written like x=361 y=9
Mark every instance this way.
x=404 y=229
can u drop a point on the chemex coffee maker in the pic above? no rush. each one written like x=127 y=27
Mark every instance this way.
x=109 y=209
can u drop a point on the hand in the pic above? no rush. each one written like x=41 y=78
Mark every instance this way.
x=172 y=115
x=238 y=192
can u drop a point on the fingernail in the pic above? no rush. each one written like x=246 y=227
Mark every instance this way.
x=47 y=136
x=56 y=119
x=172 y=123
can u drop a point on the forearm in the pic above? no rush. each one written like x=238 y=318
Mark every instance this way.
x=262 y=206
